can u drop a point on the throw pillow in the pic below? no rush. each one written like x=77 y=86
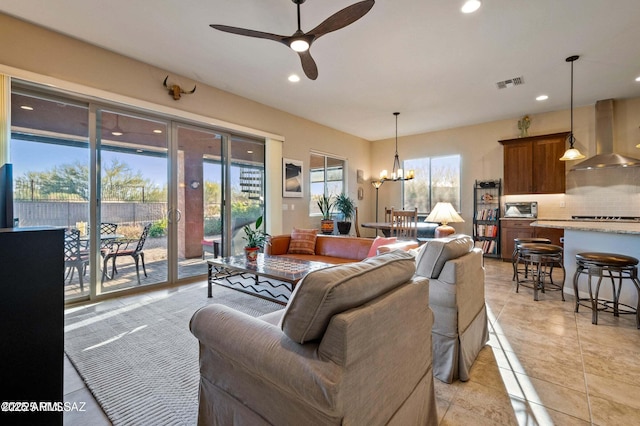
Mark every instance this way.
x=325 y=292
x=380 y=241
x=303 y=241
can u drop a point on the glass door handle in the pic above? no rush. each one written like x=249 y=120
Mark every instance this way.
x=174 y=214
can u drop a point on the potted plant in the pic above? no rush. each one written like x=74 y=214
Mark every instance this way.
x=325 y=204
x=345 y=205
x=255 y=237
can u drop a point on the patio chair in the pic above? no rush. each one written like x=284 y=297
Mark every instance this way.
x=120 y=248
x=74 y=259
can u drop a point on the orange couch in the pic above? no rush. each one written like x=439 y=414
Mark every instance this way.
x=331 y=248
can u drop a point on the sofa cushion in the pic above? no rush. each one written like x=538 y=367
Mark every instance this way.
x=326 y=292
x=380 y=241
x=303 y=241
x=435 y=253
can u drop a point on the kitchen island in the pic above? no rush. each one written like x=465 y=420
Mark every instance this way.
x=596 y=236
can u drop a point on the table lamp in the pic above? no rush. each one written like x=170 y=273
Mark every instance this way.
x=444 y=213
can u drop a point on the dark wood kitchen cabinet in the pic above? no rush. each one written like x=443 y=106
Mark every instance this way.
x=532 y=165
x=510 y=229
x=521 y=228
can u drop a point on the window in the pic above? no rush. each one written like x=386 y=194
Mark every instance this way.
x=437 y=179
x=326 y=177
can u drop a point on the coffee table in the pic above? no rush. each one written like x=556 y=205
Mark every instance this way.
x=270 y=277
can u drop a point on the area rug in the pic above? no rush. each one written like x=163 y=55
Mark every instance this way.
x=137 y=355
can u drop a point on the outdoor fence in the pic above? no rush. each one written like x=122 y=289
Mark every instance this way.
x=68 y=213
x=33 y=190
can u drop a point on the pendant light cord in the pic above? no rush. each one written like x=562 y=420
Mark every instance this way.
x=396 y=160
x=572 y=59
x=572 y=153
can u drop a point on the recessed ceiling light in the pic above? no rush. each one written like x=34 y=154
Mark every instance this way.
x=294 y=78
x=470 y=6
x=638 y=78
x=157 y=131
x=542 y=98
x=27 y=107
x=249 y=152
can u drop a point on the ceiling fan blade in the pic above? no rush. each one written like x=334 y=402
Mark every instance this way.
x=308 y=65
x=248 y=33
x=342 y=18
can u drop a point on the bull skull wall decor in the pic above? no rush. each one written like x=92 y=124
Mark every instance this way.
x=175 y=90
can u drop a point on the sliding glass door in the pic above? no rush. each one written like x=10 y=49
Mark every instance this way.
x=198 y=213
x=148 y=199
x=132 y=225
x=50 y=155
x=245 y=189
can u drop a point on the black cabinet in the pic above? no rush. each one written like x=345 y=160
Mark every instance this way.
x=32 y=321
x=486 y=218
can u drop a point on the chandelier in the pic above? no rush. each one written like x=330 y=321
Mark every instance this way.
x=396 y=172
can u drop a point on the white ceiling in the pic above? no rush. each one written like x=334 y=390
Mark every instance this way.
x=435 y=65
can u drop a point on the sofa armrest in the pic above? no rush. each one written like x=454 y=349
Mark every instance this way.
x=277 y=244
x=264 y=351
x=400 y=245
x=460 y=286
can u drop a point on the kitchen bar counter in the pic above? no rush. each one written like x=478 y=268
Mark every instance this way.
x=591 y=226
x=595 y=236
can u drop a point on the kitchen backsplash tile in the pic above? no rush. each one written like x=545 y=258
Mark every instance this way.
x=606 y=192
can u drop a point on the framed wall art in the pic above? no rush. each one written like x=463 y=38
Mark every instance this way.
x=292 y=178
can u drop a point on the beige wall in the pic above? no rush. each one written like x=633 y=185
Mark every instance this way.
x=50 y=55
x=44 y=56
x=597 y=192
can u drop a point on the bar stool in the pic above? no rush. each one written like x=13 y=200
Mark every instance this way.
x=539 y=261
x=516 y=246
x=614 y=265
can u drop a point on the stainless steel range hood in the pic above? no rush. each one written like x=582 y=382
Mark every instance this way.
x=605 y=158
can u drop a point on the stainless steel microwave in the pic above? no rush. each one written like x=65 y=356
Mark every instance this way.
x=521 y=209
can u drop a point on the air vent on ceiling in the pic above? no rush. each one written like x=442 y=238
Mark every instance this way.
x=516 y=81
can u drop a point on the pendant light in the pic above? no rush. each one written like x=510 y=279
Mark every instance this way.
x=396 y=172
x=572 y=153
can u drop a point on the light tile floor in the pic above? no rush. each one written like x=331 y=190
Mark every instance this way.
x=544 y=365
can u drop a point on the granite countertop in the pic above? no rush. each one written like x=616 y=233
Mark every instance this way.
x=578 y=225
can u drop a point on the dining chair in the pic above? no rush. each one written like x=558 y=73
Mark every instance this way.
x=357 y=223
x=387 y=214
x=74 y=259
x=404 y=224
x=121 y=248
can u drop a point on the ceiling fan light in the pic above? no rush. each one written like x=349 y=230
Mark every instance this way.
x=299 y=45
x=572 y=154
x=471 y=6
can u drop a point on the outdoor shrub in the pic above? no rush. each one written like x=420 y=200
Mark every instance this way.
x=158 y=228
x=212 y=226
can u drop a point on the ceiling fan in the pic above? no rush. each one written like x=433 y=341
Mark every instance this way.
x=301 y=41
